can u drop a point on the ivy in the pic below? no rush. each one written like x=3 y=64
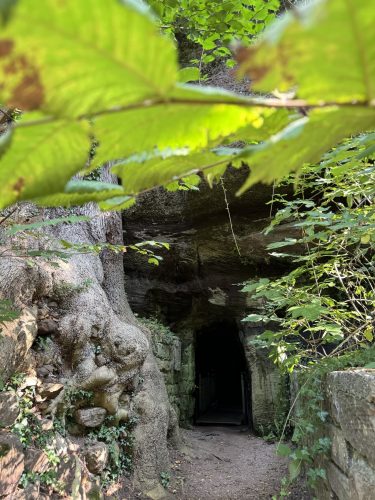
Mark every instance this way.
x=311 y=445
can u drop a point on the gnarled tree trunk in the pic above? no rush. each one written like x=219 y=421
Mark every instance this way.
x=97 y=344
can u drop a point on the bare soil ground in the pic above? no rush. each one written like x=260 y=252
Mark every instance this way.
x=228 y=463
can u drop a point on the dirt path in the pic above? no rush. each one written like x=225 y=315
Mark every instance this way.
x=226 y=463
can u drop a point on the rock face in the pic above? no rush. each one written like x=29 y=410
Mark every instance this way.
x=9 y=408
x=36 y=461
x=91 y=417
x=11 y=463
x=196 y=285
x=96 y=457
x=351 y=403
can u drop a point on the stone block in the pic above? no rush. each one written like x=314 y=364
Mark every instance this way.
x=340 y=450
x=9 y=408
x=47 y=327
x=161 y=351
x=96 y=457
x=164 y=366
x=17 y=338
x=91 y=417
x=339 y=482
x=12 y=463
x=36 y=460
x=361 y=480
x=176 y=354
x=50 y=390
x=352 y=407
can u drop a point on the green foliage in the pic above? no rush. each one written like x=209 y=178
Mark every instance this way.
x=165 y=479
x=160 y=332
x=63 y=289
x=320 y=314
x=102 y=69
x=119 y=439
x=324 y=305
x=57 y=249
x=212 y=25
x=30 y=432
x=328 y=38
x=310 y=443
x=47 y=478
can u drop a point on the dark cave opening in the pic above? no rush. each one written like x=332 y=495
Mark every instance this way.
x=222 y=379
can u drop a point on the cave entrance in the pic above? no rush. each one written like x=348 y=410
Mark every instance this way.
x=222 y=381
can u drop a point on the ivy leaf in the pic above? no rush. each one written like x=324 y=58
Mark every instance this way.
x=153 y=260
x=368 y=334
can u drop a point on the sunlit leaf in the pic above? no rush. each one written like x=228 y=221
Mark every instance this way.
x=326 y=49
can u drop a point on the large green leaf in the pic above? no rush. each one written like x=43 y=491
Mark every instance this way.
x=41 y=159
x=304 y=141
x=193 y=118
x=326 y=49
x=137 y=177
x=78 y=192
x=74 y=57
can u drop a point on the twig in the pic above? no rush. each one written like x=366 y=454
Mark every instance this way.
x=229 y=216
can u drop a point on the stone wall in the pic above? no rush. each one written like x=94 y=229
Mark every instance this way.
x=268 y=392
x=350 y=401
x=176 y=359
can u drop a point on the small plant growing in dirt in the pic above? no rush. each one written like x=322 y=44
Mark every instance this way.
x=165 y=479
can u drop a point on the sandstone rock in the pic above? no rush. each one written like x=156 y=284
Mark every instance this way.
x=65 y=473
x=362 y=480
x=352 y=395
x=29 y=381
x=339 y=482
x=47 y=425
x=91 y=417
x=96 y=457
x=47 y=327
x=61 y=446
x=45 y=370
x=36 y=460
x=31 y=492
x=157 y=493
x=18 y=337
x=11 y=463
x=9 y=408
x=50 y=390
x=340 y=449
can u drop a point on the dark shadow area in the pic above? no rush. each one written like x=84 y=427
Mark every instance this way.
x=221 y=376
